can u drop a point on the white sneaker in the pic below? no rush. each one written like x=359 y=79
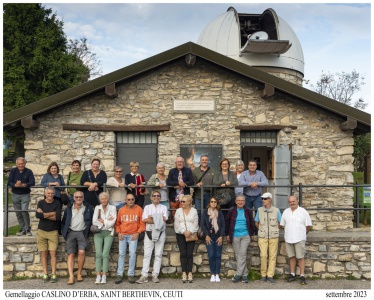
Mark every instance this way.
x=142 y=279
x=217 y=278
x=213 y=278
x=98 y=279
x=103 y=279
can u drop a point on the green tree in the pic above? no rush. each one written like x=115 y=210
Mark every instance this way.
x=36 y=61
x=362 y=149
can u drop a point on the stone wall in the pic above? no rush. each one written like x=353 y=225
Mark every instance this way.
x=322 y=152
x=329 y=254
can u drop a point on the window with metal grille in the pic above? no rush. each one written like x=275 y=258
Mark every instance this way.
x=258 y=138
x=137 y=137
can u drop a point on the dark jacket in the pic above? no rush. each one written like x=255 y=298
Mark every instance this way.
x=218 y=180
x=26 y=177
x=231 y=220
x=66 y=220
x=172 y=181
x=206 y=225
x=93 y=197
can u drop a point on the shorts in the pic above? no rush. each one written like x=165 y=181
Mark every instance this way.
x=297 y=249
x=47 y=240
x=75 y=241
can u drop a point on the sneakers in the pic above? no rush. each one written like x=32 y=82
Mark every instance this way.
x=217 y=278
x=98 y=279
x=302 y=280
x=190 y=279
x=21 y=232
x=236 y=278
x=155 y=279
x=28 y=232
x=213 y=278
x=184 y=278
x=263 y=279
x=53 y=278
x=245 y=279
x=271 y=280
x=142 y=279
x=291 y=278
x=118 y=280
x=103 y=280
x=132 y=279
x=45 y=278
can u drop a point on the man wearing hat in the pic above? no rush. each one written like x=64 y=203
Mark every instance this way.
x=267 y=221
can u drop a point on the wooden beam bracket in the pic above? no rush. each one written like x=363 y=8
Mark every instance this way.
x=268 y=91
x=111 y=91
x=29 y=123
x=350 y=124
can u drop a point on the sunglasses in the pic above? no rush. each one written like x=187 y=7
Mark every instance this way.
x=265 y=198
x=78 y=196
x=118 y=171
x=156 y=196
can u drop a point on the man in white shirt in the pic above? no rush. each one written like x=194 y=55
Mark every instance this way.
x=155 y=216
x=297 y=224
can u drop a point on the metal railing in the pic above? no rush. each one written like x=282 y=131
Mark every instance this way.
x=297 y=190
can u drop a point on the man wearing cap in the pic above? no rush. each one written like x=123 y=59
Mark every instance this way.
x=267 y=222
x=297 y=224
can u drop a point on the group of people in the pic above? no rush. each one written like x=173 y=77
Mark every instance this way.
x=122 y=212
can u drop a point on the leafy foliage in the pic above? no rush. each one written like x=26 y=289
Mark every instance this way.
x=36 y=60
x=342 y=87
x=362 y=149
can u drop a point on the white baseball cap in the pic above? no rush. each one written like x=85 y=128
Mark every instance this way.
x=267 y=195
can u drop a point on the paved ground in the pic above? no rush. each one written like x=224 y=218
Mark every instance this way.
x=199 y=283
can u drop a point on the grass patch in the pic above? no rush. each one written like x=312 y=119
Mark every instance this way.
x=253 y=275
x=13 y=230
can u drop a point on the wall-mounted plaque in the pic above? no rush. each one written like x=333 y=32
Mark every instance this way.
x=194 y=106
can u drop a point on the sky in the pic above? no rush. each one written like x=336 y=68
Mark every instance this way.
x=335 y=37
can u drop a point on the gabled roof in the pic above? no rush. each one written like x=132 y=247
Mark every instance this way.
x=12 y=119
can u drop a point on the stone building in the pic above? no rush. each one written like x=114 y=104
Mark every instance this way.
x=192 y=95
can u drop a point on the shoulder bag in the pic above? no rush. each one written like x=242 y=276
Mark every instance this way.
x=193 y=237
x=95 y=228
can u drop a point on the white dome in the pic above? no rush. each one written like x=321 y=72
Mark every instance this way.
x=227 y=34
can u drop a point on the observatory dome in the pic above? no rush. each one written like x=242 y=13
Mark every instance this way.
x=264 y=41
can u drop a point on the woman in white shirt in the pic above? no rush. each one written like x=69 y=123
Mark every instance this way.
x=117 y=190
x=186 y=223
x=104 y=217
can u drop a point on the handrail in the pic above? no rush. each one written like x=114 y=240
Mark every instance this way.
x=356 y=205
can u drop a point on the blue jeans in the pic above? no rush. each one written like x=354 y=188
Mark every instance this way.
x=122 y=254
x=253 y=201
x=198 y=203
x=21 y=202
x=214 y=255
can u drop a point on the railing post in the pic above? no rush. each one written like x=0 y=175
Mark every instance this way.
x=300 y=194
x=357 y=212
x=202 y=200
x=104 y=187
x=5 y=233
